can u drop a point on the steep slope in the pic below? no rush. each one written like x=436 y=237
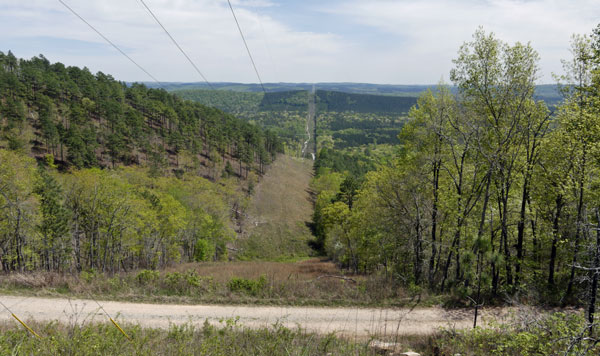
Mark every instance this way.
x=87 y=120
x=153 y=207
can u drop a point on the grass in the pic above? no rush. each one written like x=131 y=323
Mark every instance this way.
x=277 y=227
x=189 y=339
x=308 y=282
x=551 y=334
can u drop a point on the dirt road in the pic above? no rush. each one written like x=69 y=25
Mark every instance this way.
x=356 y=322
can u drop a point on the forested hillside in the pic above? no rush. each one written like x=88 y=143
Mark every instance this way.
x=87 y=120
x=363 y=103
x=489 y=194
x=348 y=120
x=95 y=174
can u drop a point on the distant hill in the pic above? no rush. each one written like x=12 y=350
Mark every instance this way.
x=546 y=92
x=296 y=100
x=348 y=114
x=355 y=88
x=363 y=103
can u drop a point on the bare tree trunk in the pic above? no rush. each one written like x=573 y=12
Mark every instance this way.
x=555 y=237
x=479 y=251
x=594 y=276
x=521 y=229
x=434 y=213
x=577 y=230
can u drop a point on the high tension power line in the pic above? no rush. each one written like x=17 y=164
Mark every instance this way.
x=111 y=43
x=247 y=49
x=177 y=45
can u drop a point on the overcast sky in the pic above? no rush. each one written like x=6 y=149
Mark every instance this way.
x=369 y=41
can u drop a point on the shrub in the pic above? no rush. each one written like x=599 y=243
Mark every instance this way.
x=147 y=276
x=173 y=281
x=89 y=276
x=548 y=335
x=187 y=282
x=247 y=286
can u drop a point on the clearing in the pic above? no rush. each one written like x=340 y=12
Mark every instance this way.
x=277 y=226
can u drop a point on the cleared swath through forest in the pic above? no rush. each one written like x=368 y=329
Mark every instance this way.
x=310 y=121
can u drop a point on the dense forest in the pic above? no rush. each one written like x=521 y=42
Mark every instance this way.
x=348 y=119
x=87 y=120
x=490 y=193
x=96 y=174
x=339 y=102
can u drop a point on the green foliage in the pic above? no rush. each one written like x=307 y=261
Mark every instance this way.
x=251 y=287
x=88 y=120
x=223 y=339
x=147 y=276
x=19 y=211
x=350 y=119
x=54 y=224
x=557 y=334
x=339 y=102
x=186 y=283
x=89 y=276
x=487 y=193
x=226 y=100
x=203 y=251
x=108 y=220
x=355 y=164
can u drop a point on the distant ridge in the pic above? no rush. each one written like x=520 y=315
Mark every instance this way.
x=547 y=92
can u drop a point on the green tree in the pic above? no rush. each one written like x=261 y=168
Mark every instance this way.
x=54 y=223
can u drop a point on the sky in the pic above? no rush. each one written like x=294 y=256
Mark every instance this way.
x=366 y=41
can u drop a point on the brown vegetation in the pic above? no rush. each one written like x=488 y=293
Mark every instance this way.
x=280 y=210
x=307 y=282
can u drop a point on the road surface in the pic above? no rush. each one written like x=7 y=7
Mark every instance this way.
x=355 y=322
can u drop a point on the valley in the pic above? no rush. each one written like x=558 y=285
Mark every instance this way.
x=330 y=218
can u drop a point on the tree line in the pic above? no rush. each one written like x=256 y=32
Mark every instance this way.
x=491 y=193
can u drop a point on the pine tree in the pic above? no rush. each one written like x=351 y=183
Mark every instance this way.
x=54 y=224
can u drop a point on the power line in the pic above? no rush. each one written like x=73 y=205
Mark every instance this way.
x=247 y=49
x=177 y=44
x=110 y=42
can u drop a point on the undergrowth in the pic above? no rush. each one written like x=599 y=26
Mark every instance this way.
x=226 y=339
x=548 y=334
x=195 y=286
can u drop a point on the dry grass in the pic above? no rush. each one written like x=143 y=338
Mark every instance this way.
x=309 y=282
x=279 y=213
x=223 y=271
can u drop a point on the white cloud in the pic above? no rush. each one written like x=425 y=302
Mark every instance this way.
x=381 y=41
x=204 y=28
x=432 y=31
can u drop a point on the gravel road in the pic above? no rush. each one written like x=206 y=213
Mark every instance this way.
x=343 y=321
